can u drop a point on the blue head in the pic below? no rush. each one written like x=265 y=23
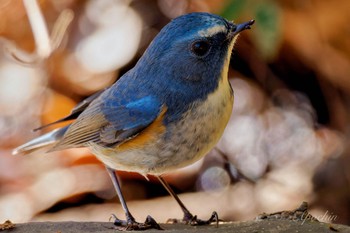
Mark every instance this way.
x=188 y=58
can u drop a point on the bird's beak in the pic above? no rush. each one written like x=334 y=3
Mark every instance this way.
x=241 y=27
x=244 y=26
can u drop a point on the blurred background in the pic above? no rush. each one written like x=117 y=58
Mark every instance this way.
x=286 y=142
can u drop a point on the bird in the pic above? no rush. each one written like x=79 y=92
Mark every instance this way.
x=165 y=113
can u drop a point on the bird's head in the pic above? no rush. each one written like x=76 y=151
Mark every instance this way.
x=192 y=52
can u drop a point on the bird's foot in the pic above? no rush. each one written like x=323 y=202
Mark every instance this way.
x=194 y=221
x=131 y=225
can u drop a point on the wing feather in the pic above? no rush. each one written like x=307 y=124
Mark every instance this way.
x=110 y=123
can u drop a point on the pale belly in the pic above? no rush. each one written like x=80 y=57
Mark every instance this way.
x=182 y=143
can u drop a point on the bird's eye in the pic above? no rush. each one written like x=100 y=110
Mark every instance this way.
x=200 y=48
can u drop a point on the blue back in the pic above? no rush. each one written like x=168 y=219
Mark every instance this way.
x=169 y=71
x=169 y=76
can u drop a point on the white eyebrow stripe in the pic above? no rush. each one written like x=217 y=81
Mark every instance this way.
x=213 y=31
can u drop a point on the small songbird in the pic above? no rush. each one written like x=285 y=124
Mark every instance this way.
x=165 y=113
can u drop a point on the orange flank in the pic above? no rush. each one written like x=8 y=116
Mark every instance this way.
x=147 y=135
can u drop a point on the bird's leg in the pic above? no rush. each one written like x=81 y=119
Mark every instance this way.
x=130 y=222
x=188 y=217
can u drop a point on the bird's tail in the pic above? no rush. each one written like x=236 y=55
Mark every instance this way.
x=41 y=142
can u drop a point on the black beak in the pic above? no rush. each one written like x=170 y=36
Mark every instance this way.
x=241 y=27
x=244 y=26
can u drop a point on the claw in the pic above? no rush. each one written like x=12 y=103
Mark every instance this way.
x=117 y=221
x=194 y=221
x=198 y=222
x=132 y=225
x=151 y=222
x=188 y=217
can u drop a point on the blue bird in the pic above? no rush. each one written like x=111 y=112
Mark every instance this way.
x=165 y=113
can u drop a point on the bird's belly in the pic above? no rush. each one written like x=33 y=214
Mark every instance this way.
x=196 y=134
x=183 y=142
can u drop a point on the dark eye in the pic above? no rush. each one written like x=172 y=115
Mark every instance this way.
x=200 y=48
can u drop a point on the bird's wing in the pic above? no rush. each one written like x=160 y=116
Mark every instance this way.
x=108 y=122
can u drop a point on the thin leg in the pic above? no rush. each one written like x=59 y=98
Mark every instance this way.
x=130 y=223
x=114 y=178
x=188 y=217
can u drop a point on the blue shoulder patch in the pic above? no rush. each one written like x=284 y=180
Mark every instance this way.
x=124 y=121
